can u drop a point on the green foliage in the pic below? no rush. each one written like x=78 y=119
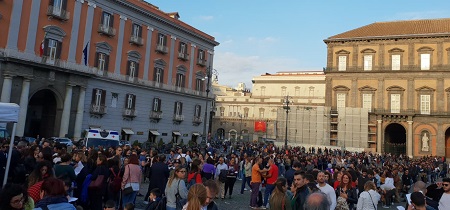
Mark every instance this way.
x=137 y=143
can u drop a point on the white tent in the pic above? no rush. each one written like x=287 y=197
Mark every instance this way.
x=9 y=113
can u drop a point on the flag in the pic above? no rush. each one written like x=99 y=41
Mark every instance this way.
x=41 y=48
x=85 y=54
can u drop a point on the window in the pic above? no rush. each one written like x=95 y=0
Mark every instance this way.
x=297 y=91
x=107 y=20
x=263 y=91
x=199 y=84
x=201 y=55
x=340 y=100
x=425 y=61
x=137 y=30
x=222 y=111
x=197 y=111
x=367 y=62
x=367 y=102
x=261 y=113
x=101 y=61
x=342 y=63
x=162 y=39
x=180 y=80
x=58 y=6
x=53 y=50
x=178 y=110
x=283 y=91
x=133 y=70
x=425 y=104
x=246 y=112
x=311 y=91
x=130 y=101
x=156 y=105
x=98 y=98
x=395 y=62
x=159 y=73
x=114 y=99
x=395 y=103
x=183 y=49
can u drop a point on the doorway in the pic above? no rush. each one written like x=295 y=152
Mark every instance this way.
x=41 y=115
x=395 y=139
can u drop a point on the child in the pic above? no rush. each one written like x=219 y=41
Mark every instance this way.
x=154 y=200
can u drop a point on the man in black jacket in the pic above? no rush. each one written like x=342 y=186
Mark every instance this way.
x=158 y=175
x=290 y=173
x=300 y=189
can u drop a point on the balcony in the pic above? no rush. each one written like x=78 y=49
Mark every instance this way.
x=107 y=30
x=394 y=112
x=201 y=62
x=97 y=110
x=177 y=119
x=136 y=40
x=58 y=13
x=162 y=49
x=183 y=56
x=131 y=79
x=156 y=115
x=130 y=113
x=197 y=120
x=50 y=61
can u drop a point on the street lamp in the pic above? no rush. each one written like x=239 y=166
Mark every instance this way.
x=240 y=127
x=209 y=73
x=286 y=103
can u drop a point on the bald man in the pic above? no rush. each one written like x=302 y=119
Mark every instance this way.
x=420 y=186
x=317 y=201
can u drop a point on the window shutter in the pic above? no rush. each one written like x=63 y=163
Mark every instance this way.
x=103 y=98
x=58 y=50
x=52 y=3
x=94 y=92
x=134 y=102
x=165 y=41
x=175 y=108
x=128 y=67
x=46 y=51
x=162 y=76
x=103 y=17
x=96 y=59
x=64 y=4
x=111 y=21
x=154 y=73
x=140 y=31
x=199 y=111
x=106 y=62
x=183 y=80
x=126 y=101
x=159 y=104
x=181 y=108
x=136 y=70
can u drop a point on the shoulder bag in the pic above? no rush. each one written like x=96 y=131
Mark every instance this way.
x=128 y=190
x=179 y=200
x=97 y=183
x=371 y=200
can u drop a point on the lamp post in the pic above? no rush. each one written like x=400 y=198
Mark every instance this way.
x=287 y=108
x=209 y=73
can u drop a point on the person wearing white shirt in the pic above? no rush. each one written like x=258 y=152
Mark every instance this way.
x=221 y=166
x=368 y=199
x=327 y=189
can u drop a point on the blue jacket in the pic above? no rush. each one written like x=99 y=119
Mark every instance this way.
x=59 y=206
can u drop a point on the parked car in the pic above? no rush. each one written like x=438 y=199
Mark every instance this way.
x=62 y=140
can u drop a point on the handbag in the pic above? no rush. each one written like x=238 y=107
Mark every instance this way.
x=97 y=183
x=128 y=190
x=179 y=200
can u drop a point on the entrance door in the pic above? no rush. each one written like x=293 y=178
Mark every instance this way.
x=447 y=143
x=395 y=139
x=41 y=114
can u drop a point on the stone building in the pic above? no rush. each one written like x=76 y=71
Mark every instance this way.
x=123 y=65
x=400 y=72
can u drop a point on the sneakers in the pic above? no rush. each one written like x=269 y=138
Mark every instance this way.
x=262 y=207
x=245 y=189
x=386 y=207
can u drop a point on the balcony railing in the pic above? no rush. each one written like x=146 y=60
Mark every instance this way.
x=98 y=109
x=129 y=113
x=57 y=13
x=136 y=40
x=131 y=79
x=156 y=115
x=49 y=60
x=162 y=49
x=107 y=30
x=201 y=62
x=409 y=68
x=197 y=120
x=394 y=112
x=183 y=56
x=178 y=118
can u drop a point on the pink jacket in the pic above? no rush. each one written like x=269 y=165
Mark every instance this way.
x=132 y=174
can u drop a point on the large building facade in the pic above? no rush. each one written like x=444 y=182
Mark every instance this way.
x=239 y=112
x=400 y=73
x=111 y=64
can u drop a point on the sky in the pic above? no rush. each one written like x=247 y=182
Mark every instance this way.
x=260 y=36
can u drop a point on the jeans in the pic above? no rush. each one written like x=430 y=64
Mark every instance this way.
x=229 y=184
x=170 y=208
x=254 y=195
x=267 y=192
x=130 y=198
x=245 y=180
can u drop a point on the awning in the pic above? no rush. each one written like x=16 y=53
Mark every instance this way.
x=176 y=133
x=155 y=133
x=196 y=134
x=128 y=131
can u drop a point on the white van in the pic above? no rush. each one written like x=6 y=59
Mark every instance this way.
x=97 y=137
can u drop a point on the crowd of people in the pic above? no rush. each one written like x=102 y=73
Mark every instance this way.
x=47 y=175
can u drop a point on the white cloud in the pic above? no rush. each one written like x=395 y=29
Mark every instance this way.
x=207 y=18
x=234 y=68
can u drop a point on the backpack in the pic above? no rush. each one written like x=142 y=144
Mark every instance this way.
x=192 y=181
x=115 y=183
x=162 y=203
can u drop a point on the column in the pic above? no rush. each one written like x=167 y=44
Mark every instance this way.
x=148 y=47
x=6 y=89
x=409 y=141
x=65 y=118
x=379 y=137
x=23 y=107
x=79 y=116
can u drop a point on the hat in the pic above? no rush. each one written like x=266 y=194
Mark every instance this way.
x=176 y=161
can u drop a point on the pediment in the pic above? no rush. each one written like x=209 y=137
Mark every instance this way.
x=395 y=50
x=341 y=88
x=425 y=49
x=345 y=52
x=395 y=88
x=367 y=88
x=368 y=50
x=425 y=88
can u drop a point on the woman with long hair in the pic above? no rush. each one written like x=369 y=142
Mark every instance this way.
x=337 y=176
x=42 y=171
x=194 y=173
x=53 y=196
x=196 y=197
x=176 y=185
x=368 y=199
x=131 y=178
x=345 y=193
x=15 y=197
x=231 y=177
x=100 y=172
x=279 y=200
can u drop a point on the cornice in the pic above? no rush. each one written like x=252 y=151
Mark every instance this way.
x=369 y=38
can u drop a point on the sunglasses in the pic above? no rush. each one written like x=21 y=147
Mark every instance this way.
x=445 y=185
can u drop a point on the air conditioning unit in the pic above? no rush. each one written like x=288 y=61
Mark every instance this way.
x=127 y=112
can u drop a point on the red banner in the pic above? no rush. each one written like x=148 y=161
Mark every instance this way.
x=260 y=126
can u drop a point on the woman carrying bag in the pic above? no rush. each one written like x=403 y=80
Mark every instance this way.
x=131 y=181
x=176 y=191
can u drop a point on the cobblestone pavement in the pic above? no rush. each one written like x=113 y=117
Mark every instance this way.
x=237 y=202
